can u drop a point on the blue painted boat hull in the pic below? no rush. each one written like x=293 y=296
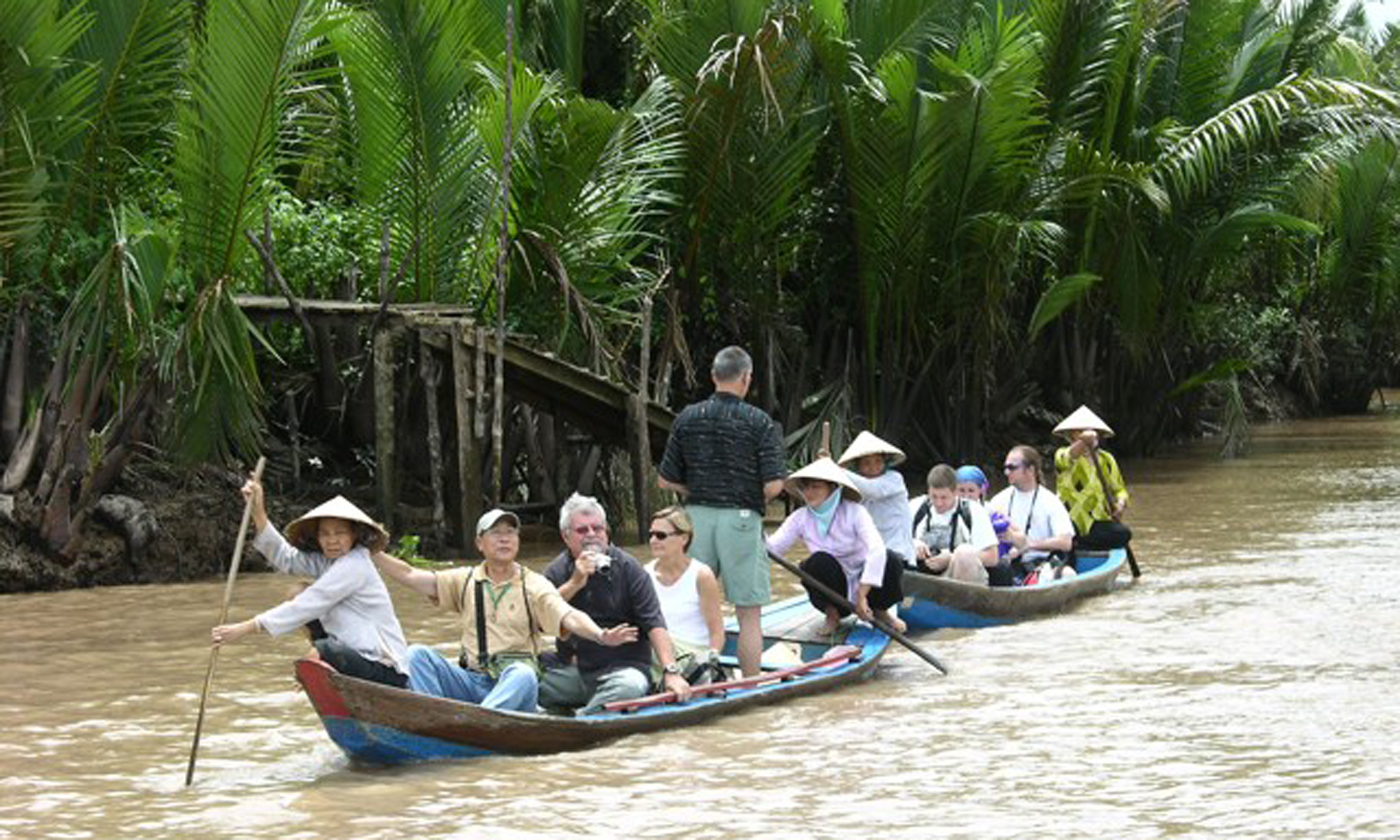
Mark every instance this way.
x=933 y=602
x=383 y=725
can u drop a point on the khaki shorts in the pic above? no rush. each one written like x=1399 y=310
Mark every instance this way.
x=730 y=541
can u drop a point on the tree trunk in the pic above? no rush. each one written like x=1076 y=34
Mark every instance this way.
x=12 y=401
x=66 y=537
x=23 y=457
x=59 y=457
x=502 y=263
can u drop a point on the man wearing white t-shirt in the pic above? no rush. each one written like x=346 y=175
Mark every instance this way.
x=953 y=537
x=1040 y=524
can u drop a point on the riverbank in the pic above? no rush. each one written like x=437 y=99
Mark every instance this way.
x=165 y=528
x=194 y=516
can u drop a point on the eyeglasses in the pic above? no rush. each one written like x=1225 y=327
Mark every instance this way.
x=1012 y=467
x=661 y=535
x=585 y=530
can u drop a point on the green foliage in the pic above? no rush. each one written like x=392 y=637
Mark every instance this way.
x=316 y=242
x=253 y=54
x=406 y=549
x=949 y=207
x=212 y=361
x=138 y=53
x=1063 y=294
x=114 y=313
x=44 y=104
x=412 y=69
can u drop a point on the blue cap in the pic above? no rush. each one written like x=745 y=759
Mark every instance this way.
x=968 y=474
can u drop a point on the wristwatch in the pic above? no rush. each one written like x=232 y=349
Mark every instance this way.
x=673 y=668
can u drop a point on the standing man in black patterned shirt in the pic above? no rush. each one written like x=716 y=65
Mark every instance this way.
x=725 y=457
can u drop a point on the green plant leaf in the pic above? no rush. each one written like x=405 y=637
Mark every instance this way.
x=1061 y=295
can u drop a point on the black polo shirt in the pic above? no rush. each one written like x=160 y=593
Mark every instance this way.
x=724 y=450
x=621 y=594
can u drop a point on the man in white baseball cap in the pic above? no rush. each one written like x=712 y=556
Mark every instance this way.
x=505 y=609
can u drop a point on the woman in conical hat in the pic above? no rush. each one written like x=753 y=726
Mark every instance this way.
x=869 y=463
x=1088 y=481
x=1083 y=419
x=847 y=554
x=331 y=543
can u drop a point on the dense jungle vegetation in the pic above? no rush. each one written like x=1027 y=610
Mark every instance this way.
x=940 y=219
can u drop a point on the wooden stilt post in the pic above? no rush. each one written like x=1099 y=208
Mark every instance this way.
x=384 y=398
x=641 y=438
x=589 y=472
x=468 y=446
x=479 y=407
x=431 y=372
x=640 y=452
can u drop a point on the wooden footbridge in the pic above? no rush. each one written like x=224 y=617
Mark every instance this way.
x=448 y=338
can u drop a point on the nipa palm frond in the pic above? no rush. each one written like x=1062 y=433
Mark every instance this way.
x=413 y=74
x=138 y=52
x=44 y=104
x=1190 y=166
x=253 y=53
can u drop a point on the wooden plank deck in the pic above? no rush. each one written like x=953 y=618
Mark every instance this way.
x=569 y=392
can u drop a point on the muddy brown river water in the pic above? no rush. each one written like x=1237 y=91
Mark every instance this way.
x=1247 y=686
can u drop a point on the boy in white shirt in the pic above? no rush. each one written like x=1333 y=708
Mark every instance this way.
x=953 y=536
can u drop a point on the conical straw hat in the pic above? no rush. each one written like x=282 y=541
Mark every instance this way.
x=826 y=470
x=1082 y=419
x=302 y=532
x=868 y=444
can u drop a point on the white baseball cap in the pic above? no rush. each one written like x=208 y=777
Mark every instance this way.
x=492 y=516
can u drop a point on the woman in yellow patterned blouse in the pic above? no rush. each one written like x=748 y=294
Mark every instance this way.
x=1088 y=481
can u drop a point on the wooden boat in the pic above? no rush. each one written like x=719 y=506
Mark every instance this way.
x=384 y=725
x=932 y=602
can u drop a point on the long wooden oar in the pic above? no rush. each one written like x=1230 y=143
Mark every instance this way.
x=1132 y=561
x=1117 y=517
x=840 y=601
x=834 y=656
x=223 y=617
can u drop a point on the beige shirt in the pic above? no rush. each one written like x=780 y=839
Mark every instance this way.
x=507 y=629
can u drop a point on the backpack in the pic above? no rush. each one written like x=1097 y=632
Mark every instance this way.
x=963 y=511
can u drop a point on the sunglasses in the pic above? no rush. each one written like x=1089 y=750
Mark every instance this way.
x=585 y=530
x=661 y=535
x=1012 y=467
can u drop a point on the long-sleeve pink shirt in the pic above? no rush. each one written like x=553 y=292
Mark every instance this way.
x=852 y=539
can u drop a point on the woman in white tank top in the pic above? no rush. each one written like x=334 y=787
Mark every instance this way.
x=686 y=588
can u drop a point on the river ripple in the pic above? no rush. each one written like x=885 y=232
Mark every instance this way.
x=1245 y=687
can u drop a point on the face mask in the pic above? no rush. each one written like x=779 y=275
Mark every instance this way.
x=826 y=511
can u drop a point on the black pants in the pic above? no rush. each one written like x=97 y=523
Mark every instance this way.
x=827 y=569
x=1002 y=574
x=351 y=663
x=1103 y=536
